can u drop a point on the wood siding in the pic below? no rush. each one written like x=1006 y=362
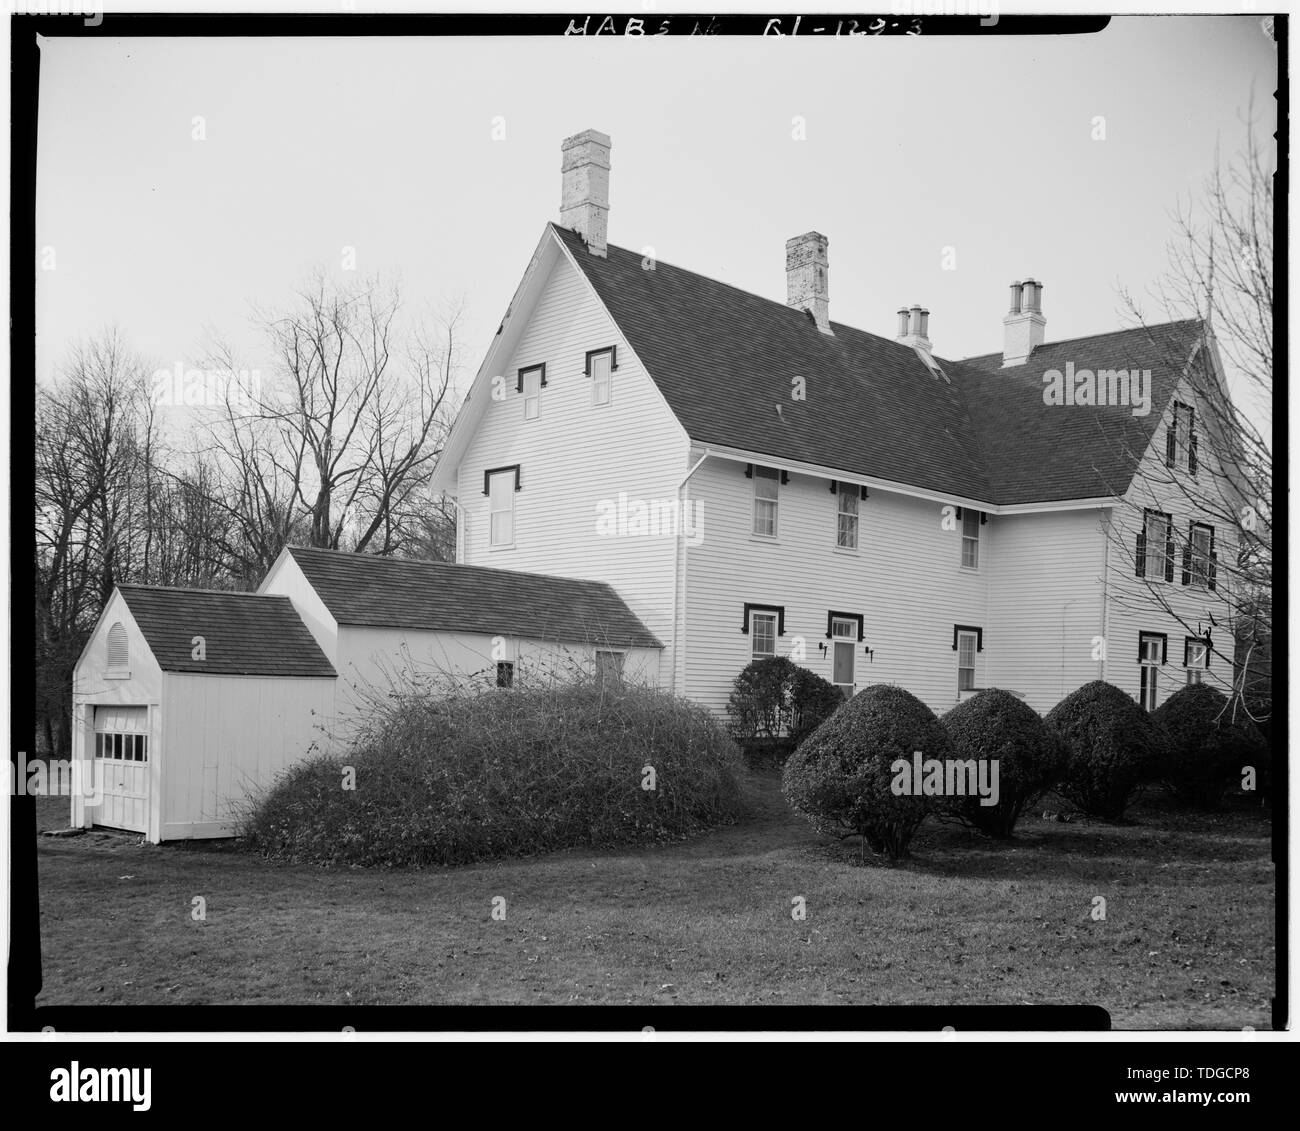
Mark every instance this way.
x=576 y=460
x=906 y=580
x=225 y=736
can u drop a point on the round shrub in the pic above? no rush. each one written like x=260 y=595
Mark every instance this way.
x=775 y=704
x=841 y=776
x=997 y=726
x=446 y=778
x=1111 y=745
x=1207 y=747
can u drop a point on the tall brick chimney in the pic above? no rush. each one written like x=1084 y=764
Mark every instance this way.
x=1024 y=326
x=584 y=199
x=807 y=285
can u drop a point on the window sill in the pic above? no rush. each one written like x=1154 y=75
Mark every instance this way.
x=765 y=540
x=497 y=549
x=852 y=551
x=117 y=675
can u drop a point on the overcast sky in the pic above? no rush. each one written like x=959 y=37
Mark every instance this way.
x=913 y=145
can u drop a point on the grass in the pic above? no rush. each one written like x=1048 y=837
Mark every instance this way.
x=1186 y=943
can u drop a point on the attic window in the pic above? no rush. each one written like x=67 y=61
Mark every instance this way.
x=118 y=653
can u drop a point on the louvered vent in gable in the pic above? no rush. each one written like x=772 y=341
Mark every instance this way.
x=118 y=656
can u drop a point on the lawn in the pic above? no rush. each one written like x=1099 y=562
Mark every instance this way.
x=1186 y=941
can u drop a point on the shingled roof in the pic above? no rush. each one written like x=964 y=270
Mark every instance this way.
x=1035 y=452
x=243 y=633
x=362 y=589
x=724 y=359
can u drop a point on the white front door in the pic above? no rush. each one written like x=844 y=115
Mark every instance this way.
x=122 y=768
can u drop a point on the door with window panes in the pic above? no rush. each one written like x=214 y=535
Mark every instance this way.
x=122 y=767
x=844 y=633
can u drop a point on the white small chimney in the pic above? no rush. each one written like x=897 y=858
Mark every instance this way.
x=807 y=282
x=1024 y=326
x=584 y=199
x=914 y=328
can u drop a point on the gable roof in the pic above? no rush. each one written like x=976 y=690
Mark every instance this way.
x=243 y=633
x=724 y=359
x=1038 y=452
x=361 y=589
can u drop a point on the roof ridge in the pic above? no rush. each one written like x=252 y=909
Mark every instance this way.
x=124 y=585
x=1087 y=337
x=794 y=310
x=419 y=562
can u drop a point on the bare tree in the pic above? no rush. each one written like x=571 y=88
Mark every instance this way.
x=335 y=449
x=1219 y=462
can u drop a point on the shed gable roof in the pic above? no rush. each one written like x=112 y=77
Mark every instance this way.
x=724 y=359
x=243 y=633
x=360 y=589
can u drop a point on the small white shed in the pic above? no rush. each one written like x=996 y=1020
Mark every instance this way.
x=184 y=700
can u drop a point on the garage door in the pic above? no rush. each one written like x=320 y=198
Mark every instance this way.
x=122 y=767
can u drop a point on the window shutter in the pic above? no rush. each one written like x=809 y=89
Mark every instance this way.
x=1141 y=570
x=862 y=494
x=1164 y=649
x=785 y=477
x=959 y=514
x=984 y=518
x=1171 y=442
x=1213 y=561
x=1191 y=455
x=1209 y=647
x=835 y=487
x=1169 y=549
x=1187 y=555
x=519 y=384
x=749 y=471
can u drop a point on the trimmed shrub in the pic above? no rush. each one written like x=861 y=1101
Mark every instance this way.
x=1207 y=747
x=452 y=778
x=774 y=697
x=996 y=725
x=1111 y=745
x=841 y=776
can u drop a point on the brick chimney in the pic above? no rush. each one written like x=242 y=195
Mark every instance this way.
x=914 y=328
x=807 y=283
x=584 y=199
x=1024 y=325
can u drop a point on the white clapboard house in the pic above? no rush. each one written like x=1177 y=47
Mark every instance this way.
x=755 y=478
x=660 y=475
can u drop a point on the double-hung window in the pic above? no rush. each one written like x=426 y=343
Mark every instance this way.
x=767 y=489
x=846 y=519
x=1155 y=559
x=1201 y=539
x=966 y=644
x=502 y=483
x=762 y=635
x=531 y=382
x=600 y=368
x=970 y=538
x=1196 y=658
